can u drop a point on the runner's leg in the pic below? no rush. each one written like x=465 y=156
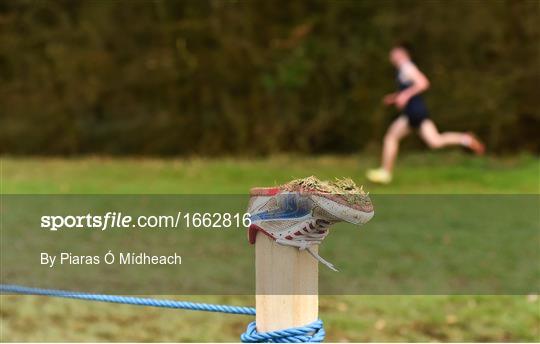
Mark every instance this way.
x=434 y=139
x=397 y=130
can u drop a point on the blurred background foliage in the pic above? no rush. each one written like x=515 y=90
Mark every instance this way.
x=257 y=77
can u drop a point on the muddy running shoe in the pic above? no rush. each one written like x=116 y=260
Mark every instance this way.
x=379 y=176
x=300 y=212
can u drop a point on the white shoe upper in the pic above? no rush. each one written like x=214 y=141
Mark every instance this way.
x=302 y=218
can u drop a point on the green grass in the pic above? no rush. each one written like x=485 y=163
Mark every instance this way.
x=347 y=318
x=429 y=173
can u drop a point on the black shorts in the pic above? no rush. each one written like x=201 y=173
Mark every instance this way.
x=416 y=112
x=416 y=119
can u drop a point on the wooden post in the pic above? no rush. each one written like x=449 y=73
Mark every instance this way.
x=286 y=286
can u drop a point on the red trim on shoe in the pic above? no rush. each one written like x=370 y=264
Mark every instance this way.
x=272 y=191
x=252 y=233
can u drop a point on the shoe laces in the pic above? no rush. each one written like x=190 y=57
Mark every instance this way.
x=313 y=233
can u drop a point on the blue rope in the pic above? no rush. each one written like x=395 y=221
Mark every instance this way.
x=130 y=300
x=313 y=332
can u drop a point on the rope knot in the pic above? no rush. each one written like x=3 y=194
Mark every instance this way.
x=312 y=333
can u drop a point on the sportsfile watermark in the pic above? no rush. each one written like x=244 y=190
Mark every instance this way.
x=119 y=220
x=199 y=244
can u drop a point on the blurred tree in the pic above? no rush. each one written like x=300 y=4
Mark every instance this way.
x=246 y=77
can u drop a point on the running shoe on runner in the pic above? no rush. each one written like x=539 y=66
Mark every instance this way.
x=379 y=176
x=476 y=145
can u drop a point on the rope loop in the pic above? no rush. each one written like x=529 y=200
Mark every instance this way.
x=312 y=333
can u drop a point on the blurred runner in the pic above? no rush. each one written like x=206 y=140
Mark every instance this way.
x=413 y=115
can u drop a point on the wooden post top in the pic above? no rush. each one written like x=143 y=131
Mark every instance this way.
x=286 y=286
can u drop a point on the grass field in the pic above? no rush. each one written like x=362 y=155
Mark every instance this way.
x=347 y=318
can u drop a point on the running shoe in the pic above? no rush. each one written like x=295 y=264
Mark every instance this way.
x=476 y=145
x=299 y=213
x=379 y=176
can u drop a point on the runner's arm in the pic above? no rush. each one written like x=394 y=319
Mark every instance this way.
x=420 y=83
